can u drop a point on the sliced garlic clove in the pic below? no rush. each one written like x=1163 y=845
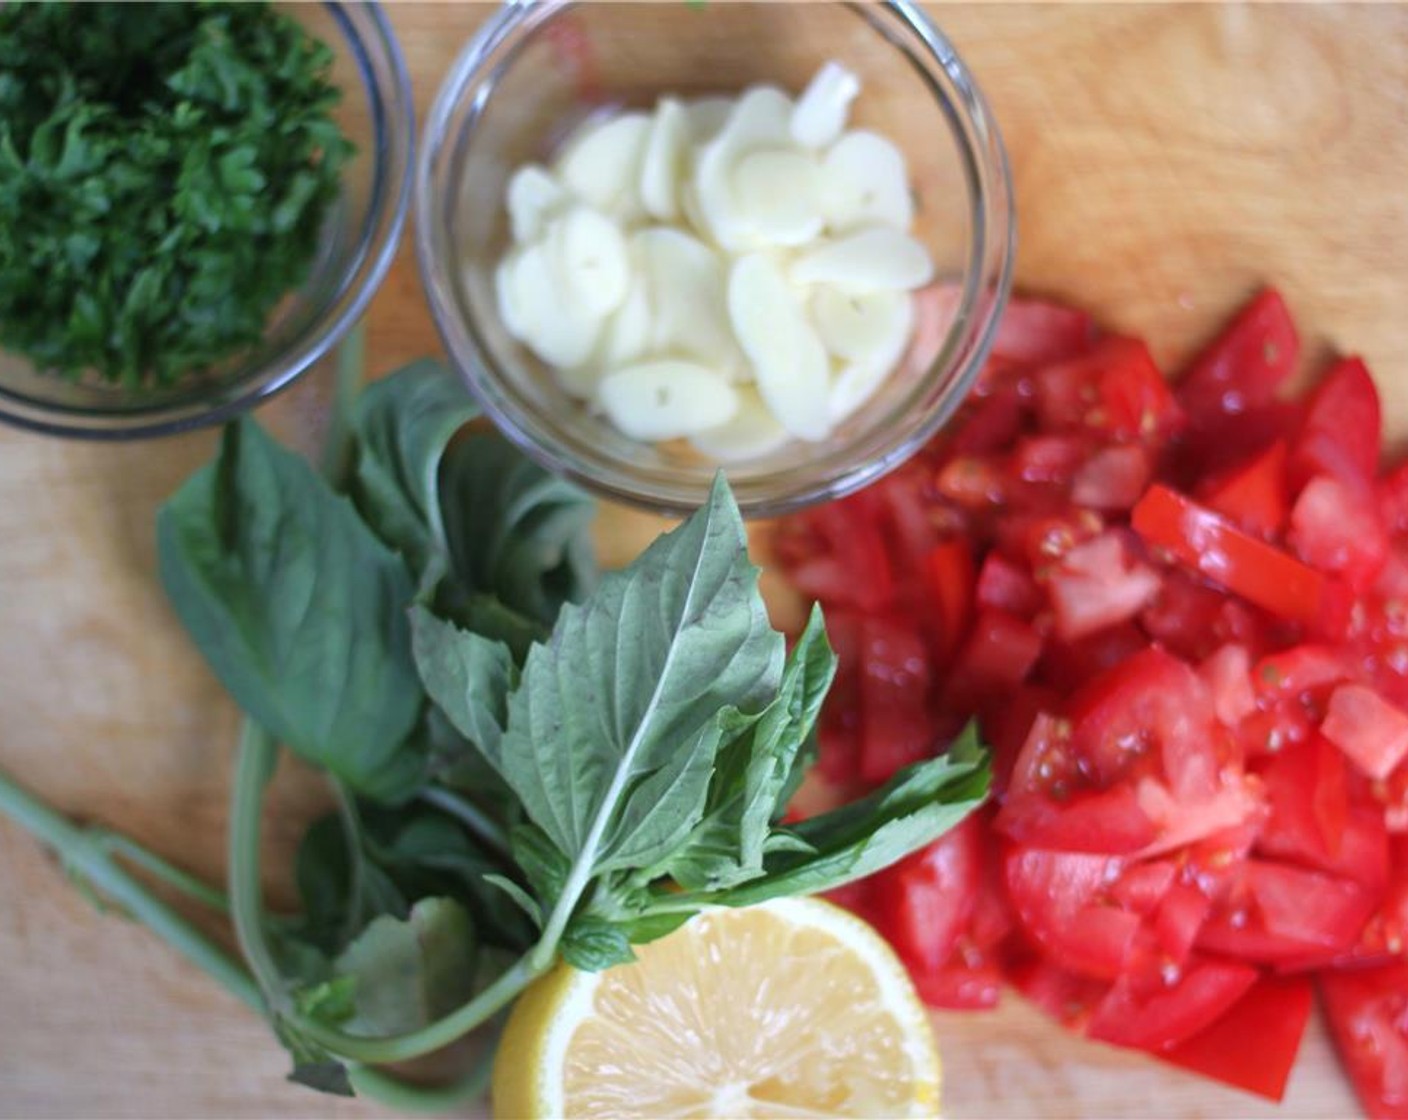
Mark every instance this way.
x=853 y=386
x=534 y=197
x=751 y=433
x=864 y=182
x=589 y=254
x=555 y=327
x=602 y=165
x=760 y=119
x=687 y=288
x=789 y=361
x=666 y=399
x=506 y=296
x=820 y=115
x=663 y=164
x=626 y=337
x=876 y=259
x=778 y=195
x=863 y=327
x=707 y=117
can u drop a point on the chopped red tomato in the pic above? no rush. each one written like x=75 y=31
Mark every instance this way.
x=1274 y=1013
x=1227 y=673
x=1342 y=430
x=1160 y=1016
x=948 y=594
x=1036 y=331
x=1368 y=1014
x=1006 y=586
x=1252 y=495
x=1245 y=365
x=1112 y=478
x=1335 y=527
x=1113 y=388
x=925 y=902
x=1370 y=730
x=1058 y=898
x=1098 y=584
x=898 y=725
x=1198 y=538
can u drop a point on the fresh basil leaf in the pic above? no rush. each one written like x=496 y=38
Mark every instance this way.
x=515 y=531
x=481 y=613
x=612 y=733
x=468 y=676
x=651 y=927
x=298 y=609
x=917 y=806
x=409 y=973
x=542 y=863
x=342 y=888
x=312 y=1065
x=591 y=945
x=455 y=762
x=754 y=771
x=402 y=426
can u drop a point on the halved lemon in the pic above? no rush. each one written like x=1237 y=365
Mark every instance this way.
x=795 y=1008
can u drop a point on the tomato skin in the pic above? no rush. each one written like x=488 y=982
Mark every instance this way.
x=1037 y=331
x=1275 y=1013
x=1208 y=544
x=897 y=726
x=1335 y=527
x=999 y=653
x=1103 y=822
x=1253 y=495
x=1159 y=1018
x=924 y=902
x=1366 y=1010
x=1371 y=731
x=835 y=553
x=1245 y=365
x=1006 y=586
x=949 y=585
x=1308 y=795
x=1391 y=493
x=1342 y=430
x=1113 y=388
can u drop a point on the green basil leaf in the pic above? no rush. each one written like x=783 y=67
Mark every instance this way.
x=651 y=927
x=298 y=609
x=542 y=863
x=402 y=425
x=754 y=773
x=515 y=531
x=591 y=945
x=410 y=973
x=312 y=1065
x=612 y=733
x=917 y=806
x=468 y=676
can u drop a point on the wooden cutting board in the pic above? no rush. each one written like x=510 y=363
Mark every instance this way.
x=1168 y=159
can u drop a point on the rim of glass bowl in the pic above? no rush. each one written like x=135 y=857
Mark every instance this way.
x=987 y=280
x=386 y=83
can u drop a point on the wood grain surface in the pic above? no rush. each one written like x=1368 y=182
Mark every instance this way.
x=1168 y=159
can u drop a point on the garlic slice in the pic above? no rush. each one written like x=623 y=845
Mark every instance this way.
x=752 y=432
x=875 y=259
x=666 y=399
x=602 y=165
x=687 y=288
x=778 y=193
x=589 y=255
x=553 y=326
x=666 y=155
x=759 y=120
x=820 y=115
x=534 y=197
x=864 y=181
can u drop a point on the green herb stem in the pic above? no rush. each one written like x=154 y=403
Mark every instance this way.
x=484 y=827
x=351 y=822
x=129 y=850
x=87 y=854
x=255 y=760
x=402 y=1096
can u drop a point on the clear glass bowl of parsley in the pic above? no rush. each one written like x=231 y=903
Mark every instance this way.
x=196 y=202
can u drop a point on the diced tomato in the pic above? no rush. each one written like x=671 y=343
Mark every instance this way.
x=1180 y=917
x=1038 y=540
x=972 y=482
x=1047 y=458
x=1000 y=651
x=1245 y=365
x=838 y=731
x=1275 y=1014
x=1142 y=886
x=898 y=725
x=1275 y=912
x=1155 y=1018
x=1224 y=444
x=1112 y=478
x=835 y=553
x=1113 y=388
x=1186 y=616
x=1057 y=898
x=948 y=587
x=1370 y=730
x=1098 y=584
x=1273 y=728
x=1151 y=703
x=1007 y=722
x=1227 y=673
x=991 y=423
x=925 y=902
x=1368 y=1014
x=1308 y=796
x=1006 y=586
x=1342 y=430
x=1103 y=822
x=1335 y=527
x=962 y=984
x=1037 y=331
x=1206 y=543
x=1068 y=998
x=1182 y=819
x=1253 y=495
x=1069 y=665
x=1301 y=669
x=1392 y=493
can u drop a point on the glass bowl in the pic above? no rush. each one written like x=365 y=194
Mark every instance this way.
x=536 y=70
x=356 y=246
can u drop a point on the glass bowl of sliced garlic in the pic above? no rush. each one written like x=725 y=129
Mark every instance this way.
x=659 y=240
